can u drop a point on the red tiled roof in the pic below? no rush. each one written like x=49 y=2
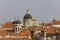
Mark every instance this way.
x=55 y=22
x=3 y=32
x=51 y=30
x=15 y=39
x=25 y=32
x=7 y=25
x=48 y=31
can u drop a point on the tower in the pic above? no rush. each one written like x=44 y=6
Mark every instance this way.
x=27 y=19
x=17 y=26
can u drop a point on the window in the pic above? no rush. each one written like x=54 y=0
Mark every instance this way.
x=18 y=29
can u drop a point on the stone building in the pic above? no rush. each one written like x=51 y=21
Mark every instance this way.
x=30 y=29
x=28 y=20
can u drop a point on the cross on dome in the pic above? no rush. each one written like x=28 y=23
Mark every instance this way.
x=27 y=12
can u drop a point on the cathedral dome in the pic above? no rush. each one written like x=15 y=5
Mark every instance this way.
x=16 y=22
x=27 y=15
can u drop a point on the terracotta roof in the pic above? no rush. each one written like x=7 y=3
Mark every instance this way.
x=3 y=32
x=48 y=31
x=25 y=32
x=51 y=30
x=55 y=22
x=15 y=39
x=7 y=25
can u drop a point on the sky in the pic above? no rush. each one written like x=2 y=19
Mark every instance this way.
x=42 y=10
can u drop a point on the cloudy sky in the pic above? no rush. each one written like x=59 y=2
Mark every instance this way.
x=42 y=10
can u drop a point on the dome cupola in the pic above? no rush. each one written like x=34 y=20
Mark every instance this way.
x=16 y=22
x=27 y=15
